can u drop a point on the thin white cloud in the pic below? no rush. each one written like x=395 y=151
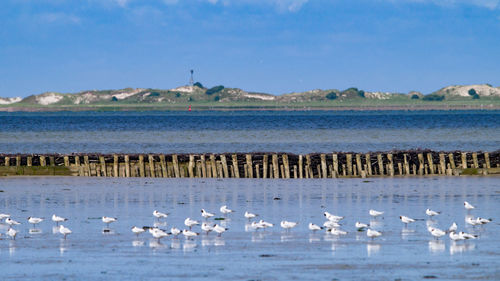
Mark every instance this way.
x=489 y=4
x=58 y=18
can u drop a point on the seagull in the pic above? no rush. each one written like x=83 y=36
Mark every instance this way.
x=314 y=227
x=455 y=237
x=108 y=220
x=373 y=233
x=219 y=229
x=288 y=224
x=436 y=232
x=34 y=220
x=64 y=231
x=406 y=220
x=225 y=210
x=361 y=226
x=250 y=216
x=431 y=213
x=483 y=221
x=160 y=215
x=337 y=231
x=11 y=222
x=206 y=214
x=206 y=227
x=189 y=234
x=265 y=224
x=58 y=219
x=175 y=231
x=256 y=225
x=375 y=213
x=472 y=221
x=332 y=217
x=453 y=227
x=330 y=224
x=467 y=235
x=137 y=230
x=12 y=233
x=190 y=223
x=158 y=234
x=468 y=206
x=4 y=216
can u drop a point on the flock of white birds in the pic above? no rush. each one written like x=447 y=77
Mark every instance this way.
x=331 y=225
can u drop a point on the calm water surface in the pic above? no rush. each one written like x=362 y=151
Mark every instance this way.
x=407 y=253
x=217 y=132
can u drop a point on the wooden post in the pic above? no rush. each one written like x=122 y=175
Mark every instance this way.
x=203 y=166
x=380 y=165
x=66 y=160
x=7 y=160
x=245 y=170
x=214 y=166
x=344 y=172
x=191 y=166
x=359 y=166
x=442 y=163
x=452 y=161
x=421 y=164
x=406 y=164
x=127 y=166
x=115 y=165
x=142 y=173
x=318 y=167
x=368 y=164
x=77 y=160
x=335 y=165
x=257 y=171
x=431 y=163
x=249 y=165
x=224 y=165
x=53 y=161
x=29 y=161
x=151 y=163
x=295 y=171
x=400 y=168
x=464 y=160
x=487 y=160
x=286 y=165
x=276 y=166
x=414 y=169
x=175 y=162
x=391 y=165
x=301 y=164
x=348 y=157
x=324 y=172
x=220 y=172
x=265 y=161
x=474 y=160
x=85 y=164
x=235 y=166
x=102 y=166
x=18 y=160
x=198 y=169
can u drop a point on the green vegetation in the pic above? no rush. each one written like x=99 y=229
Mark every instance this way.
x=433 y=97
x=199 y=85
x=414 y=97
x=472 y=92
x=214 y=90
x=331 y=95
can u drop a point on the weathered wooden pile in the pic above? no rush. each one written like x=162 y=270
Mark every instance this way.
x=255 y=165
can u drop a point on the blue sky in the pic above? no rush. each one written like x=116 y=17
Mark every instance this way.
x=274 y=46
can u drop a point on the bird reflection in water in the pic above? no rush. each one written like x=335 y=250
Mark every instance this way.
x=436 y=246
x=372 y=248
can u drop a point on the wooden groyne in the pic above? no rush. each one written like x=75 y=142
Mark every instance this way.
x=255 y=165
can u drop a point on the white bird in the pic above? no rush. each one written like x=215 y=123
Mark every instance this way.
x=330 y=224
x=12 y=233
x=137 y=230
x=159 y=214
x=482 y=221
x=64 y=231
x=375 y=213
x=373 y=233
x=189 y=234
x=11 y=222
x=206 y=214
x=175 y=231
x=467 y=235
x=468 y=206
x=4 y=216
x=34 y=220
x=455 y=237
x=256 y=225
x=337 y=231
x=453 y=227
x=219 y=229
x=250 y=216
x=361 y=226
x=436 y=232
x=332 y=217
x=265 y=224
x=406 y=220
x=108 y=220
x=314 y=227
x=431 y=213
x=58 y=219
x=158 y=234
x=224 y=210
x=190 y=223
x=288 y=224
x=471 y=221
x=206 y=227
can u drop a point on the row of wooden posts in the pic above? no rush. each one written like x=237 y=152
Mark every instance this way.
x=262 y=165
